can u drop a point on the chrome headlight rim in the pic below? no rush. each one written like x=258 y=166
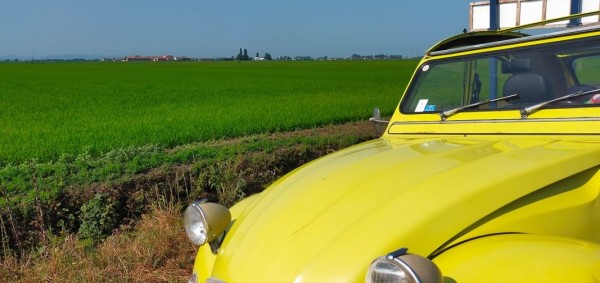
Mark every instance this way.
x=384 y=269
x=205 y=221
x=400 y=266
x=195 y=223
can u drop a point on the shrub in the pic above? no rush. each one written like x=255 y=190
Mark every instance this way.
x=99 y=216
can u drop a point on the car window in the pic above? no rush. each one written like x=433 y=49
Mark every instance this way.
x=439 y=88
x=449 y=85
x=586 y=70
x=536 y=74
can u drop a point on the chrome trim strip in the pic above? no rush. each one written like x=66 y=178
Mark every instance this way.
x=214 y=280
x=582 y=119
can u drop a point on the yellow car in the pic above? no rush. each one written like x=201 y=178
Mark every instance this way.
x=489 y=171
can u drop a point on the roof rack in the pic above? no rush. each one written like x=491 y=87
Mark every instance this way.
x=499 y=14
x=554 y=20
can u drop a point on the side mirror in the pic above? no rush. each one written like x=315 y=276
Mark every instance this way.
x=380 y=125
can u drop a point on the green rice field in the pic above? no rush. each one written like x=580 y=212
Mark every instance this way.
x=52 y=108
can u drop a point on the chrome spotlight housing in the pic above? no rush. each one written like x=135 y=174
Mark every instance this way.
x=401 y=266
x=205 y=221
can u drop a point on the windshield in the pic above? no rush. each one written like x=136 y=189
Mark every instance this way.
x=536 y=74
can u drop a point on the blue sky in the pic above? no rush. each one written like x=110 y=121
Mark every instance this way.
x=218 y=28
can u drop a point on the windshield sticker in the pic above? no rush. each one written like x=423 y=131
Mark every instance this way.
x=421 y=105
x=430 y=107
x=425 y=68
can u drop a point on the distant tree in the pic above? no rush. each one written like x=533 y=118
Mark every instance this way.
x=257 y=55
x=268 y=57
x=239 y=56
x=245 y=56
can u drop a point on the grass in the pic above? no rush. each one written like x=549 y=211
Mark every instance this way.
x=155 y=250
x=49 y=109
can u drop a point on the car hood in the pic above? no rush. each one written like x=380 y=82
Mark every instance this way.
x=329 y=219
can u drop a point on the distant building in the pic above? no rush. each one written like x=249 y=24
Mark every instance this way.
x=303 y=58
x=150 y=58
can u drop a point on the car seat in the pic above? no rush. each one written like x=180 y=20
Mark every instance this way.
x=531 y=88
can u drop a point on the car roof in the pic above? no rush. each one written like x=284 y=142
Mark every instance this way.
x=483 y=39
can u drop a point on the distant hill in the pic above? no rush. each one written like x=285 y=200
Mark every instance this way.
x=63 y=57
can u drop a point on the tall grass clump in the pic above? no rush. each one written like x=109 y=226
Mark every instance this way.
x=154 y=250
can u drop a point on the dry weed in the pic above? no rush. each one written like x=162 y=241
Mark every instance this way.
x=156 y=250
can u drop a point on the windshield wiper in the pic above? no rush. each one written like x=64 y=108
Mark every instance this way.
x=528 y=110
x=444 y=115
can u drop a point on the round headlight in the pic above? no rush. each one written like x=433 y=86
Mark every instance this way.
x=389 y=270
x=195 y=224
x=408 y=268
x=205 y=221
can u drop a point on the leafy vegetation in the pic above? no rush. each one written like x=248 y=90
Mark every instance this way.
x=98 y=217
x=58 y=245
